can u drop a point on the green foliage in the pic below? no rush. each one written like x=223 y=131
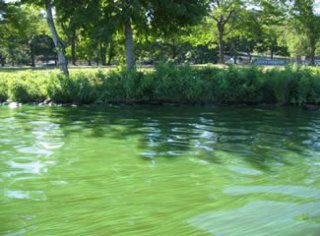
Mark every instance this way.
x=279 y=83
x=124 y=85
x=177 y=84
x=167 y=83
x=23 y=87
x=307 y=87
x=244 y=86
x=112 y=89
x=18 y=91
x=92 y=32
x=306 y=24
x=18 y=28
x=74 y=89
x=3 y=89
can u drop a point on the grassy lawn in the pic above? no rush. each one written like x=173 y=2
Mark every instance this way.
x=94 y=69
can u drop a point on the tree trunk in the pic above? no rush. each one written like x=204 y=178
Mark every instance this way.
x=130 y=61
x=62 y=60
x=174 y=50
x=221 y=43
x=12 y=56
x=73 y=50
x=234 y=51
x=111 y=53
x=2 y=61
x=33 y=61
x=312 y=52
x=109 y=61
x=271 y=52
x=103 y=52
x=250 y=57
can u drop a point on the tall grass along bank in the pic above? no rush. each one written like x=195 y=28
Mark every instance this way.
x=166 y=83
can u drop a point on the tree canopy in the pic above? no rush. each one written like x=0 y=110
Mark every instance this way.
x=145 y=31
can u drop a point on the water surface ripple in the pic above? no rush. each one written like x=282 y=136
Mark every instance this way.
x=159 y=171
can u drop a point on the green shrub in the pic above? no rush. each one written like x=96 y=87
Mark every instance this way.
x=279 y=82
x=18 y=91
x=239 y=86
x=191 y=84
x=112 y=89
x=132 y=83
x=74 y=89
x=178 y=84
x=167 y=83
x=25 y=87
x=314 y=92
x=3 y=89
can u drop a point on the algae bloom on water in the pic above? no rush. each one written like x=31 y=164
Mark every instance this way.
x=145 y=170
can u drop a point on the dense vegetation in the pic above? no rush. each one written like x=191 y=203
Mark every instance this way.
x=124 y=32
x=146 y=31
x=166 y=84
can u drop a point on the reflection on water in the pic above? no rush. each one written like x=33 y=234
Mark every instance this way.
x=159 y=171
x=297 y=191
x=263 y=218
x=32 y=195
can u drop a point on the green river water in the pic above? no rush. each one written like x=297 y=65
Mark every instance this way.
x=224 y=171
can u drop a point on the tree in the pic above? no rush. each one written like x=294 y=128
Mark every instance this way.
x=48 y=5
x=161 y=17
x=223 y=12
x=43 y=47
x=307 y=22
x=73 y=16
x=62 y=60
x=18 y=26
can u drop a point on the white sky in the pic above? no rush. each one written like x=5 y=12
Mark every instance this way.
x=317 y=6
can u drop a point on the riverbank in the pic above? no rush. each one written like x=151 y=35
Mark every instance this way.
x=165 y=84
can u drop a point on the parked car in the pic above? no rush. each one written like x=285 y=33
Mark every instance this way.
x=50 y=63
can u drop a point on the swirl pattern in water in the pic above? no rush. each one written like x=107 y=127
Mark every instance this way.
x=159 y=171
